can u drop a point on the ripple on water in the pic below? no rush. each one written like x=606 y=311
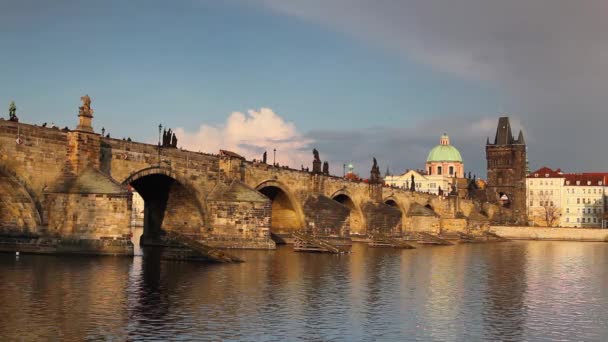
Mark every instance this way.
x=519 y=291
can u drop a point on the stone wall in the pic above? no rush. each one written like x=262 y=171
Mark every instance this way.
x=382 y=219
x=88 y=216
x=182 y=213
x=326 y=217
x=240 y=219
x=428 y=224
x=543 y=233
x=18 y=212
x=38 y=161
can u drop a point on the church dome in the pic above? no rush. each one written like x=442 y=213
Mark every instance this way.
x=444 y=152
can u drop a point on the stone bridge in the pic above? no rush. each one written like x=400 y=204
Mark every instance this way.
x=72 y=190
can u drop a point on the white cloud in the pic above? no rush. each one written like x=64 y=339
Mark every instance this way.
x=250 y=134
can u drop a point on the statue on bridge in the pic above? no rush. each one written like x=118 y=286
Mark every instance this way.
x=326 y=168
x=12 y=112
x=375 y=176
x=413 y=184
x=169 y=139
x=316 y=163
x=174 y=141
x=85 y=109
x=264 y=157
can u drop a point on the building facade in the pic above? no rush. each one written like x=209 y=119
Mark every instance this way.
x=444 y=160
x=567 y=199
x=432 y=184
x=544 y=189
x=507 y=168
x=443 y=166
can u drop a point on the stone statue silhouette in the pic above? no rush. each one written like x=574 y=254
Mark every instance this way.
x=174 y=141
x=326 y=168
x=375 y=173
x=316 y=163
x=264 y=157
x=12 y=112
x=315 y=153
x=413 y=184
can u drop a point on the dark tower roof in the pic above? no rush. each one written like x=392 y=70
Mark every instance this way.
x=503 y=132
x=520 y=139
x=504 y=135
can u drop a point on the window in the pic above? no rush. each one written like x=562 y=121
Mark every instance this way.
x=567 y=210
x=451 y=170
x=430 y=170
x=578 y=219
x=531 y=203
x=578 y=201
x=551 y=203
x=438 y=170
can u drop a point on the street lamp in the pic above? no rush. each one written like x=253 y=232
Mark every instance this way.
x=160 y=127
x=274 y=157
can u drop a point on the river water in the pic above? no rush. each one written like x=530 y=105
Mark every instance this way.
x=513 y=291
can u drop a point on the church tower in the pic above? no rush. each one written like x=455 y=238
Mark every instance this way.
x=506 y=158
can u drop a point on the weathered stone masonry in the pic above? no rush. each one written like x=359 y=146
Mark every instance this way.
x=70 y=188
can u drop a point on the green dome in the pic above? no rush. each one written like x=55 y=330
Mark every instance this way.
x=444 y=152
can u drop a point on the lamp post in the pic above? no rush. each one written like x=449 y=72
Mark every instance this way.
x=343 y=170
x=274 y=157
x=160 y=127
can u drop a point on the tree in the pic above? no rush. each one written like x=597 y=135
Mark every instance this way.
x=549 y=213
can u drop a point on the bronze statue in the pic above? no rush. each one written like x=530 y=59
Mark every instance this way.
x=12 y=112
x=86 y=106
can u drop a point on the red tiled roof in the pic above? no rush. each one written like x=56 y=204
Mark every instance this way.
x=584 y=178
x=544 y=171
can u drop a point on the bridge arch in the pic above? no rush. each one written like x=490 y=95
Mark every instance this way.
x=20 y=209
x=287 y=215
x=357 y=219
x=170 y=203
x=394 y=202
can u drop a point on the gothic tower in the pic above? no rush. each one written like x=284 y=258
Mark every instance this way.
x=506 y=159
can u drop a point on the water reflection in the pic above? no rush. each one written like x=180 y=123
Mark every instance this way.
x=519 y=291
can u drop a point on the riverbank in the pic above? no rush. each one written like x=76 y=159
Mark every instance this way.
x=551 y=234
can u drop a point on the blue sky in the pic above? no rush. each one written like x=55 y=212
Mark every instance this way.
x=349 y=86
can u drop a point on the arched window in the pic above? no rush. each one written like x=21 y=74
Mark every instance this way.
x=439 y=170
x=451 y=169
x=430 y=170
